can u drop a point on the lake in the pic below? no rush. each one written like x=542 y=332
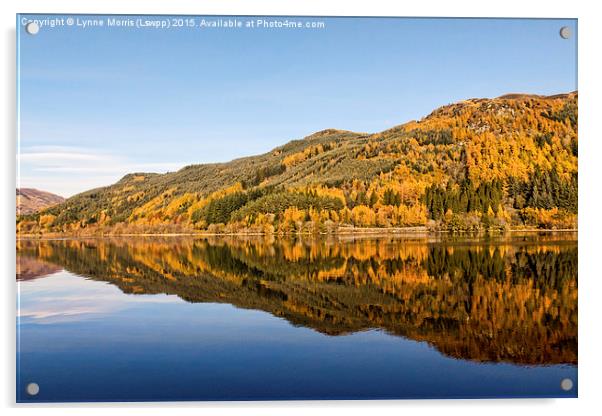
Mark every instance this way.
x=269 y=318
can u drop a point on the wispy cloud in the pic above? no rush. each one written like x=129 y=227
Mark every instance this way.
x=67 y=297
x=55 y=157
x=134 y=167
x=69 y=170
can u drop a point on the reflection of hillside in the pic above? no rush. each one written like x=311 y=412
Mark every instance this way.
x=512 y=302
x=29 y=268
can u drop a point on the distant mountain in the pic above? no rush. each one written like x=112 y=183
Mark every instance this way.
x=473 y=165
x=31 y=200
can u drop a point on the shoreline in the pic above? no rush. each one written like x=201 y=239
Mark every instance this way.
x=373 y=232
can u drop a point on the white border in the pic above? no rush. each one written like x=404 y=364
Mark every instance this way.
x=590 y=208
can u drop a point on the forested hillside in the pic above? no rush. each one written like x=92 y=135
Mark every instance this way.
x=32 y=200
x=480 y=164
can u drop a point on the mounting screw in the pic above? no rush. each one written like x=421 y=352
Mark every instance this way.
x=33 y=389
x=565 y=32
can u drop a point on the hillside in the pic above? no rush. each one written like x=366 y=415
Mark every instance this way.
x=31 y=200
x=478 y=164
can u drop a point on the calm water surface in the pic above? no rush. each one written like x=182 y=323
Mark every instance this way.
x=145 y=319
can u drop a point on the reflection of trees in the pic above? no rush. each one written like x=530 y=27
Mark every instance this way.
x=502 y=301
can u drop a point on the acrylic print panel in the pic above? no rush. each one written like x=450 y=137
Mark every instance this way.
x=267 y=208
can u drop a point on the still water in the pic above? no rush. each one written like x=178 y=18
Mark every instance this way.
x=145 y=319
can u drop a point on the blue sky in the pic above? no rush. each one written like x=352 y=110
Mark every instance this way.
x=98 y=103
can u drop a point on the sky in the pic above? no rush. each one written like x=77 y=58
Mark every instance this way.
x=97 y=103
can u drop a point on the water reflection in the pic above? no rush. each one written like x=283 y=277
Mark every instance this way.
x=30 y=268
x=511 y=300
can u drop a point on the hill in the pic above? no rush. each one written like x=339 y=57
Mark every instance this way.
x=478 y=164
x=31 y=200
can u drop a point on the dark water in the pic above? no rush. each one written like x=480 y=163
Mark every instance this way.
x=231 y=318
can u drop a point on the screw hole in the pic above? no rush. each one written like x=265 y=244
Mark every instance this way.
x=33 y=389
x=566 y=384
x=32 y=28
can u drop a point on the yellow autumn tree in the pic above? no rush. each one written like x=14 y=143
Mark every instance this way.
x=363 y=216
